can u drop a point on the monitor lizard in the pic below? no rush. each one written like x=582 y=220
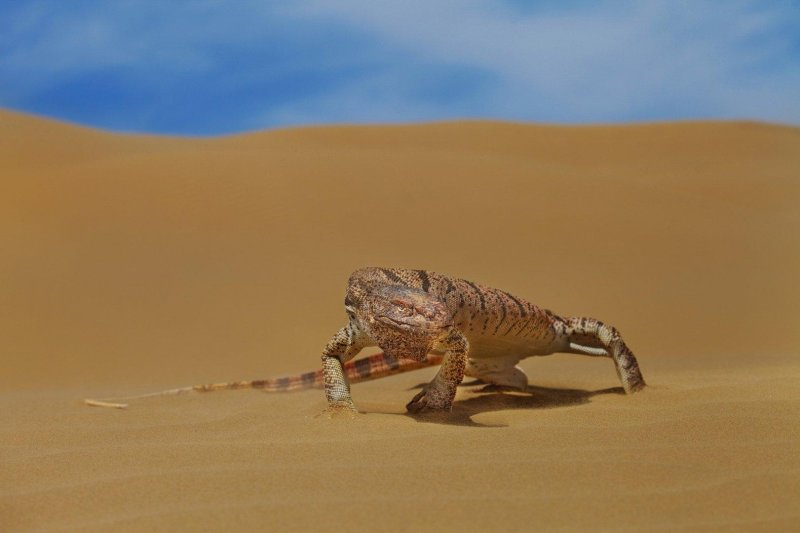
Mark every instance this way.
x=421 y=318
x=479 y=331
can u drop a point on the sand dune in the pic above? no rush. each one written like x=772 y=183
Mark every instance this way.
x=134 y=263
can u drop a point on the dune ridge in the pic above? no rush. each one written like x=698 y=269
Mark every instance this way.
x=133 y=263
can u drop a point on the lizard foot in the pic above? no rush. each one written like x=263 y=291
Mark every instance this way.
x=427 y=400
x=339 y=410
x=634 y=386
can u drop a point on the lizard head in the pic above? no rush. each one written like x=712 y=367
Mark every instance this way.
x=405 y=322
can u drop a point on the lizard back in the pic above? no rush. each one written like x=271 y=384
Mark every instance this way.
x=495 y=322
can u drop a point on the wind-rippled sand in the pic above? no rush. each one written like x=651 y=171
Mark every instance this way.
x=131 y=264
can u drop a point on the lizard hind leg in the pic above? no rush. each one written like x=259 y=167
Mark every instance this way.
x=588 y=336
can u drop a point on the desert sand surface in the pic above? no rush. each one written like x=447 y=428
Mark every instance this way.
x=135 y=263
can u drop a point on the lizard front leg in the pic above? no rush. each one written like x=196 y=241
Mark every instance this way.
x=341 y=348
x=439 y=393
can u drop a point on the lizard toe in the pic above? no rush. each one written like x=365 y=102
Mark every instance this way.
x=418 y=402
x=428 y=401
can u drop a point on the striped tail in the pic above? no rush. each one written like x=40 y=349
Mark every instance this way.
x=373 y=367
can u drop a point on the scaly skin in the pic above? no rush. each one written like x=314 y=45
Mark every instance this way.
x=420 y=319
x=369 y=368
x=480 y=331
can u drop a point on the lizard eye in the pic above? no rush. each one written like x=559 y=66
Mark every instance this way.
x=402 y=307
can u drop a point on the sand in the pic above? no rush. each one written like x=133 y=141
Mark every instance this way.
x=135 y=263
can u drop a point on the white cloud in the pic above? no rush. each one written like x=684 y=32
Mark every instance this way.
x=599 y=62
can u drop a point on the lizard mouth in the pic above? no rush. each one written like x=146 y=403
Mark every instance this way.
x=410 y=325
x=399 y=324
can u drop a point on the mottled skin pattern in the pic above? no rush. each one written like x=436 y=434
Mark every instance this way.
x=480 y=332
x=372 y=367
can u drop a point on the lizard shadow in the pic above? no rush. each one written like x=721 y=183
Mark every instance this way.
x=489 y=399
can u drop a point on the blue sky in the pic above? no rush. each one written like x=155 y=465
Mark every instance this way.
x=207 y=67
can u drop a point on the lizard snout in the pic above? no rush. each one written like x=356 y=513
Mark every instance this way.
x=407 y=311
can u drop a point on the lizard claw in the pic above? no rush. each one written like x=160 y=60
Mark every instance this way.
x=418 y=402
x=425 y=401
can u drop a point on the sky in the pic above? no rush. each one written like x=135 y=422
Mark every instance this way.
x=206 y=67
